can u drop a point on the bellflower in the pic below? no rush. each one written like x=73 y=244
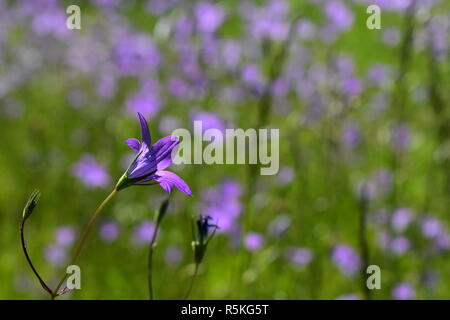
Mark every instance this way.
x=148 y=166
x=203 y=236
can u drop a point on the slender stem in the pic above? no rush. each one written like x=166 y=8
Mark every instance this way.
x=186 y=295
x=24 y=248
x=84 y=237
x=150 y=262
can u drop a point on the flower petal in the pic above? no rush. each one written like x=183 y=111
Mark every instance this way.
x=167 y=179
x=145 y=133
x=133 y=144
x=162 y=150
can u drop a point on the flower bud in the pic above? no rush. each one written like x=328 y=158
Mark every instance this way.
x=31 y=204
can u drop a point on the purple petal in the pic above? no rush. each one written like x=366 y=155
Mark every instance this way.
x=167 y=179
x=133 y=144
x=144 y=165
x=145 y=132
x=162 y=150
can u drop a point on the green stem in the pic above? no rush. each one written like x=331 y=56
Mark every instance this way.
x=84 y=237
x=150 y=261
x=186 y=295
x=24 y=248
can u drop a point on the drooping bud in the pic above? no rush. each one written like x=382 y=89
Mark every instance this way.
x=203 y=237
x=31 y=204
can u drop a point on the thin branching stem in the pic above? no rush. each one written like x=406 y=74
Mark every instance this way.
x=24 y=248
x=82 y=240
x=191 y=284
x=150 y=262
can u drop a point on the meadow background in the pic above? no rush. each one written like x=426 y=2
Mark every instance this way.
x=364 y=123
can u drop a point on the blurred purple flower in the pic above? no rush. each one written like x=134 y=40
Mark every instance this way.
x=209 y=120
x=168 y=124
x=106 y=87
x=278 y=226
x=346 y=259
x=143 y=233
x=146 y=100
x=400 y=137
x=393 y=5
x=391 y=36
x=159 y=7
x=443 y=241
x=173 y=255
x=231 y=54
x=90 y=172
x=339 y=15
x=55 y=255
x=222 y=204
x=351 y=135
x=286 y=175
x=300 y=257
x=252 y=76
x=399 y=245
x=253 y=241
x=52 y=21
x=64 y=236
x=401 y=218
x=352 y=86
x=431 y=227
x=403 y=291
x=109 y=231
x=209 y=16
x=136 y=54
x=438 y=28
x=150 y=162
x=178 y=87
x=378 y=74
x=306 y=29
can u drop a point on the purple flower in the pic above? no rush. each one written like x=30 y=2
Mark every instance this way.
x=146 y=100
x=401 y=219
x=90 y=172
x=378 y=74
x=346 y=259
x=50 y=22
x=278 y=226
x=253 y=241
x=393 y=5
x=351 y=135
x=443 y=241
x=64 y=236
x=173 y=255
x=300 y=257
x=209 y=120
x=55 y=255
x=135 y=54
x=209 y=16
x=399 y=245
x=150 y=162
x=286 y=175
x=431 y=227
x=391 y=36
x=178 y=87
x=222 y=204
x=143 y=233
x=340 y=16
x=109 y=231
x=403 y=291
x=400 y=137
